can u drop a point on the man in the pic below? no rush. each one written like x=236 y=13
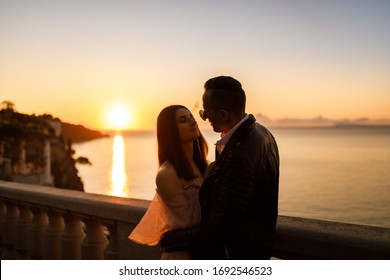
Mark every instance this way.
x=239 y=196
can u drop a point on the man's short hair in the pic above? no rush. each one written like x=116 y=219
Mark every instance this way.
x=227 y=93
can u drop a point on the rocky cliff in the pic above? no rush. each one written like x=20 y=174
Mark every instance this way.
x=22 y=140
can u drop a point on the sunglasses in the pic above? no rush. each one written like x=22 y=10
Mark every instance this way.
x=205 y=115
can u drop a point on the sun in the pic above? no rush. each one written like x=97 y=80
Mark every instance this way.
x=119 y=117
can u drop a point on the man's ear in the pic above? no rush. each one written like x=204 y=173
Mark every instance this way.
x=224 y=115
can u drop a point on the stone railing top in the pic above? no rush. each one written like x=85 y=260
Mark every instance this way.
x=75 y=202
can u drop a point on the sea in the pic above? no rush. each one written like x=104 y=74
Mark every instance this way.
x=337 y=174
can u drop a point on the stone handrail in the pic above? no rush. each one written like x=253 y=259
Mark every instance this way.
x=49 y=223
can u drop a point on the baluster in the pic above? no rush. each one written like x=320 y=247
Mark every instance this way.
x=9 y=222
x=52 y=236
x=94 y=242
x=3 y=211
x=21 y=231
x=71 y=238
x=36 y=230
x=111 y=252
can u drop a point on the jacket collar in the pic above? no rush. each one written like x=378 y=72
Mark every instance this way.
x=242 y=128
x=225 y=137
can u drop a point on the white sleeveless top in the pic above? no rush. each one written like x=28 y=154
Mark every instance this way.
x=167 y=212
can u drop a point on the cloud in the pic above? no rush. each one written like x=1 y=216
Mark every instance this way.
x=319 y=121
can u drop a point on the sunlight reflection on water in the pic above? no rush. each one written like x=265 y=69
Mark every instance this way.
x=118 y=178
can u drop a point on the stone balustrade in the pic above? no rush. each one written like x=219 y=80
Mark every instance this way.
x=49 y=223
x=40 y=222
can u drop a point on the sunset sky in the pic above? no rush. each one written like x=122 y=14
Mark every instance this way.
x=76 y=59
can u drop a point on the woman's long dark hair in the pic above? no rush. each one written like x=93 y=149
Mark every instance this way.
x=170 y=147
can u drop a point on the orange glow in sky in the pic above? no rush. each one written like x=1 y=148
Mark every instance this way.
x=295 y=59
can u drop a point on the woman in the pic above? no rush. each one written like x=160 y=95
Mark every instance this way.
x=182 y=152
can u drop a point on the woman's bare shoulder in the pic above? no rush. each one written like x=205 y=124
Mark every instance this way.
x=166 y=172
x=167 y=180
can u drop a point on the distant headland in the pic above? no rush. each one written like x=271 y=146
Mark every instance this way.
x=79 y=133
x=13 y=122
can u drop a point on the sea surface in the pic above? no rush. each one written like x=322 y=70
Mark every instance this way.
x=337 y=174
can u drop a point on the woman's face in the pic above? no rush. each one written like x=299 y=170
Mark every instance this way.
x=187 y=126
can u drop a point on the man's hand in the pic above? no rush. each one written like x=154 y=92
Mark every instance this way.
x=169 y=242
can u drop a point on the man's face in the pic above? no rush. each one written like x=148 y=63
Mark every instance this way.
x=211 y=111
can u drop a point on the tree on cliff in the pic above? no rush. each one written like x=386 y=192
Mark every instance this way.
x=7 y=105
